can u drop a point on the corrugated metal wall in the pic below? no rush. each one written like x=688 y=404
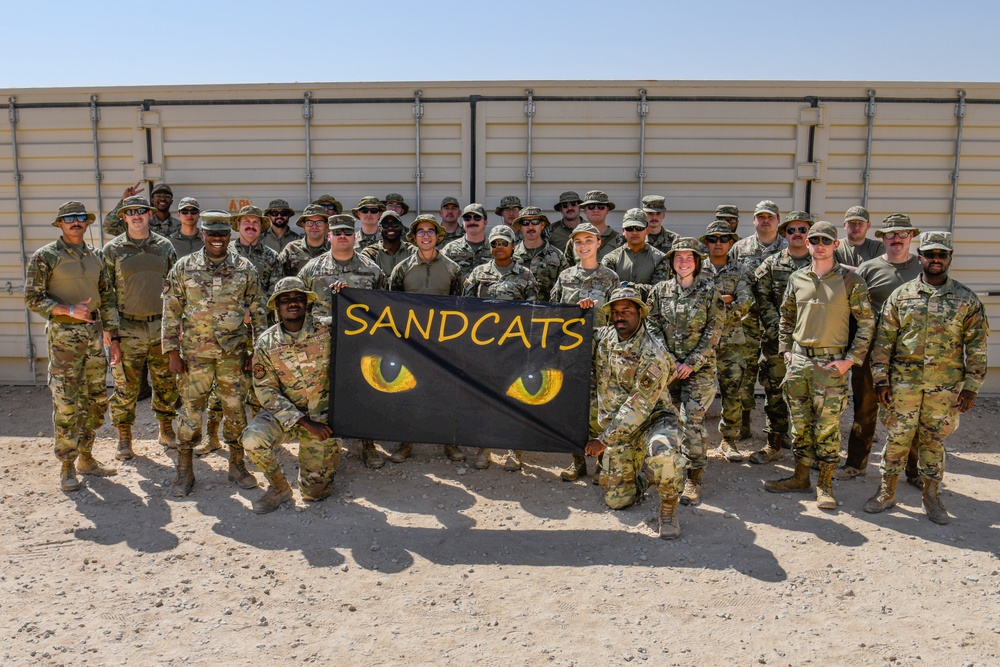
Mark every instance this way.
x=802 y=144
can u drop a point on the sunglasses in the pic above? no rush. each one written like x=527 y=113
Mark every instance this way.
x=341 y=232
x=275 y=214
x=369 y=211
x=717 y=239
x=499 y=243
x=135 y=211
x=329 y=207
x=189 y=211
x=935 y=254
x=796 y=230
x=394 y=224
x=79 y=217
x=896 y=235
x=817 y=240
x=216 y=233
x=472 y=216
x=596 y=207
x=574 y=204
x=533 y=222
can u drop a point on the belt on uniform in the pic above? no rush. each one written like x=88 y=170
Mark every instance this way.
x=139 y=318
x=816 y=351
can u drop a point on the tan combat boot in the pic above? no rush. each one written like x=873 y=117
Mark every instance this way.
x=67 y=477
x=482 y=459
x=576 y=469
x=185 y=471
x=824 y=487
x=211 y=441
x=771 y=451
x=454 y=453
x=798 y=482
x=168 y=438
x=692 y=488
x=238 y=472
x=744 y=433
x=278 y=492
x=729 y=451
x=669 y=528
x=514 y=461
x=88 y=465
x=932 y=502
x=370 y=456
x=402 y=452
x=885 y=497
x=124 y=452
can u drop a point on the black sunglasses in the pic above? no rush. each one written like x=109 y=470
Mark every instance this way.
x=817 y=240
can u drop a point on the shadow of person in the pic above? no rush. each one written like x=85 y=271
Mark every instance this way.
x=119 y=515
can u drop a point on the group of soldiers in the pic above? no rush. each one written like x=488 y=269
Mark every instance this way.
x=223 y=324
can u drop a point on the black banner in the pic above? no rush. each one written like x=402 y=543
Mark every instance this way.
x=460 y=371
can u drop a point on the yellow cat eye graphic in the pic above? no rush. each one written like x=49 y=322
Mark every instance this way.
x=536 y=388
x=371 y=369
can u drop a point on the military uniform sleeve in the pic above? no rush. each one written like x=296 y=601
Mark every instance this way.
x=742 y=299
x=975 y=329
x=711 y=334
x=36 y=295
x=109 y=298
x=661 y=272
x=531 y=287
x=861 y=309
x=267 y=386
x=173 y=309
x=651 y=379
x=762 y=286
x=396 y=278
x=113 y=224
x=885 y=341
x=456 y=283
x=786 y=324
x=256 y=304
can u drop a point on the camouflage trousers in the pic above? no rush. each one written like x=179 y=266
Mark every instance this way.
x=318 y=459
x=77 y=372
x=771 y=373
x=141 y=343
x=730 y=365
x=195 y=387
x=692 y=397
x=215 y=413
x=658 y=447
x=751 y=351
x=816 y=399
x=924 y=413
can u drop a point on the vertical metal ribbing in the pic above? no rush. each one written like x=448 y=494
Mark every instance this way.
x=643 y=111
x=418 y=113
x=867 y=174
x=14 y=117
x=95 y=115
x=960 y=115
x=307 y=114
x=529 y=111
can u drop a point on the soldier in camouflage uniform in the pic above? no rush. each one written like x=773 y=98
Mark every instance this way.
x=161 y=197
x=536 y=254
x=471 y=250
x=596 y=207
x=187 y=239
x=206 y=298
x=329 y=204
x=750 y=252
x=297 y=253
x=138 y=262
x=688 y=313
x=730 y=214
x=815 y=338
x=632 y=419
x=655 y=208
x=929 y=363
x=508 y=210
x=391 y=249
x=68 y=285
x=769 y=281
x=291 y=379
x=449 y=213
x=637 y=262
x=394 y=202
x=367 y=211
x=588 y=284
x=280 y=234
x=733 y=284
x=558 y=232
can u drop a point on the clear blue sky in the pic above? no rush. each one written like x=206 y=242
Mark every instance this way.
x=65 y=43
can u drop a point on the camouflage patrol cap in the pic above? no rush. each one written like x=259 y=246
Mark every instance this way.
x=329 y=199
x=508 y=202
x=688 y=243
x=824 y=229
x=719 y=228
x=161 y=187
x=727 y=211
x=766 y=206
x=794 y=216
x=280 y=205
x=250 y=209
x=475 y=209
x=135 y=201
x=896 y=222
x=856 y=213
x=287 y=285
x=214 y=220
x=568 y=197
x=411 y=236
x=189 y=202
x=626 y=293
x=598 y=197
x=654 y=203
x=72 y=208
x=342 y=221
x=932 y=240
x=312 y=211
x=502 y=232
x=448 y=200
x=370 y=201
x=529 y=212
x=585 y=228
x=398 y=199
x=387 y=215
x=635 y=218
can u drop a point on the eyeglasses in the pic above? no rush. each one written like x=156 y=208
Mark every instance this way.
x=275 y=214
x=717 y=239
x=79 y=217
x=472 y=216
x=896 y=235
x=574 y=204
x=532 y=222
x=499 y=243
x=189 y=211
x=935 y=254
x=816 y=240
x=796 y=230
x=369 y=211
x=426 y=232
x=596 y=207
x=313 y=223
x=341 y=232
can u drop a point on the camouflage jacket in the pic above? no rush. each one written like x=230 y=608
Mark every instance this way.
x=576 y=283
x=386 y=260
x=545 y=263
x=646 y=267
x=466 y=255
x=510 y=283
x=438 y=276
x=291 y=372
x=610 y=239
x=264 y=259
x=274 y=243
x=630 y=380
x=204 y=305
x=459 y=233
x=320 y=273
x=689 y=319
x=138 y=271
x=185 y=245
x=362 y=240
x=86 y=276
x=557 y=234
x=932 y=336
x=662 y=241
x=732 y=279
x=297 y=254
x=770 y=280
x=115 y=226
x=750 y=253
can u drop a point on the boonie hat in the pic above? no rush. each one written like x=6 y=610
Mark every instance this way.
x=794 y=216
x=329 y=199
x=688 y=243
x=398 y=199
x=426 y=217
x=598 y=197
x=529 y=212
x=568 y=197
x=280 y=205
x=367 y=202
x=135 y=201
x=896 y=222
x=719 y=228
x=312 y=211
x=290 y=284
x=507 y=202
x=626 y=294
x=73 y=208
x=250 y=209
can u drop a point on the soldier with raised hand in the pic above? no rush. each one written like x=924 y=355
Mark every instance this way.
x=67 y=284
x=161 y=197
x=471 y=250
x=929 y=362
x=733 y=284
x=534 y=253
x=569 y=206
x=367 y=211
x=250 y=224
x=858 y=248
x=655 y=209
x=138 y=262
x=187 y=239
x=280 y=234
x=297 y=253
x=637 y=262
x=207 y=296
x=633 y=423
x=815 y=338
x=449 y=213
x=292 y=381
x=769 y=282
x=730 y=214
x=596 y=207
x=391 y=249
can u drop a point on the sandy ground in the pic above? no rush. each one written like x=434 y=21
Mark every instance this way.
x=435 y=563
